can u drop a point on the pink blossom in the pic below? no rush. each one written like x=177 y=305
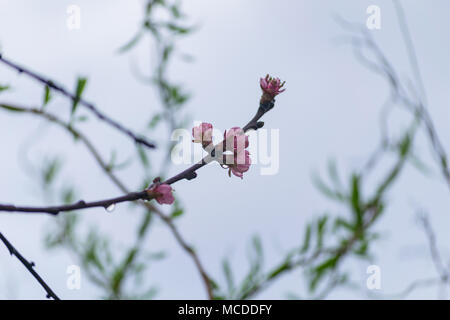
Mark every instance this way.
x=239 y=161
x=270 y=87
x=203 y=133
x=240 y=165
x=162 y=193
x=236 y=139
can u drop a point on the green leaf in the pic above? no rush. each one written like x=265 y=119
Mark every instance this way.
x=283 y=267
x=362 y=250
x=167 y=52
x=341 y=223
x=176 y=96
x=327 y=264
x=444 y=162
x=68 y=195
x=175 y=11
x=320 y=271
x=326 y=191
x=144 y=224
x=143 y=157
x=420 y=165
x=116 y=279
x=177 y=210
x=332 y=171
x=257 y=245
x=91 y=252
x=321 y=230
x=47 y=96
x=82 y=119
x=315 y=281
x=81 y=84
x=153 y=29
x=130 y=256
x=176 y=213
x=156 y=255
x=256 y=259
x=213 y=284
x=149 y=294
x=51 y=168
x=405 y=145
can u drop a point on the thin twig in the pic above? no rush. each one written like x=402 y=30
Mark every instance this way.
x=421 y=107
x=30 y=267
x=188 y=174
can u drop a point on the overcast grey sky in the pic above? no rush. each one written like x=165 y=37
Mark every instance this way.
x=330 y=110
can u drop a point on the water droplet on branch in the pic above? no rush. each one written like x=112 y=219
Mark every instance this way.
x=111 y=207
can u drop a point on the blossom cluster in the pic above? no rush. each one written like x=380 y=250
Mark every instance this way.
x=233 y=148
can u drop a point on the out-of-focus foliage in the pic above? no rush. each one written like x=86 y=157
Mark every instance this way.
x=332 y=238
x=4 y=88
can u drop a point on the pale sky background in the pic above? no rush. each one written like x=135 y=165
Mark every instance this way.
x=330 y=110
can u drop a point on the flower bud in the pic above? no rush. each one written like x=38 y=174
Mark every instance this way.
x=270 y=87
x=203 y=134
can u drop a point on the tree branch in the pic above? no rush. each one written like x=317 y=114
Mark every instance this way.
x=30 y=267
x=188 y=174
